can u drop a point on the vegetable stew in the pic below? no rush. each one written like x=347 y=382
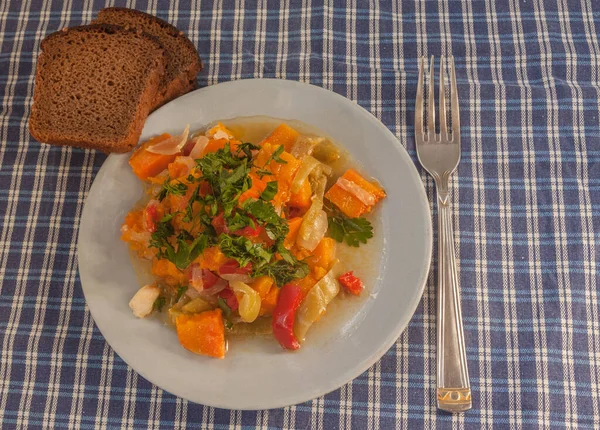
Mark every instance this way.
x=243 y=236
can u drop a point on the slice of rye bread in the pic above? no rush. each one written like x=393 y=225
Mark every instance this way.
x=183 y=62
x=95 y=86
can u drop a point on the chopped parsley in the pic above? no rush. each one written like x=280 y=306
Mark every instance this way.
x=177 y=189
x=353 y=231
x=225 y=176
x=270 y=191
x=180 y=292
x=159 y=303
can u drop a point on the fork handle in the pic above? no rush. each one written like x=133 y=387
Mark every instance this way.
x=453 y=388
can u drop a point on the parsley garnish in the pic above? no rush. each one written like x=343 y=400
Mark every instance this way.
x=283 y=272
x=226 y=312
x=178 y=189
x=159 y=303
x=276 y=156
x=182 y=254
x=247 y=149
x=265 y=211
x=353 y=231
x=244 y=250
x=180 y=292
x=270 y=191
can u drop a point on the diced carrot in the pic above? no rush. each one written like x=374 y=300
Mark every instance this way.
x=202 y=333
x=263 y=155
x=258 y=186
x=371 y=187
x=285 y=172
x=262 y=285
x=134 y=219
x=146 y=164
x=167 y=271
x=301 y=199
x=178 y=168
x=220 y=127
x=306 y=283
x=282 y=135
x=294 y=226
x=212 y=258
x=324 y=254
x=214 y=145
x=268 y=303
x=347 y=202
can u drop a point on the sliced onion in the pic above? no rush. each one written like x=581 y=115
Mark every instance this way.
x=196 y=281
x=250 y=301
x=215 y=289
x=236 y=277
x=314 y=304
x=305 y=145
x=312 y=230
x=172 y=145
x=307 y=166
x=360 y=193
x=220 y=134
x=198 y=149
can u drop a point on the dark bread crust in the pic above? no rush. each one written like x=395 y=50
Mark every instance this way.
x=95 y=85
x=183 y=62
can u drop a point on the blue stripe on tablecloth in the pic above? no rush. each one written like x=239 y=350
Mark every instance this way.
x=526 y=202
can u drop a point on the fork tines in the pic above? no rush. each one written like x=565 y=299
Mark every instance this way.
x=420 y=132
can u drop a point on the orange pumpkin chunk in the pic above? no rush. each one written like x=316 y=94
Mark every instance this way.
x=202 y=333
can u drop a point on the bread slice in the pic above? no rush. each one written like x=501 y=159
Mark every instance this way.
x=94 y=87
x=183 y=62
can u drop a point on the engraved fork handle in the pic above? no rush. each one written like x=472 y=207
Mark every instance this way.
x=453 y=388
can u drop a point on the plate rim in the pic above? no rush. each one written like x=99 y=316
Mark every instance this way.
x=347 y=376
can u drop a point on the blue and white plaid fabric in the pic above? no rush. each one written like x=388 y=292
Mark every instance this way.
x=526 y=211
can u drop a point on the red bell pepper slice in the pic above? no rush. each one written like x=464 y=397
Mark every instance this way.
x=151 y=216
x=209 y=278
x=248 y=231
x=232 y=267
x=352 y=283
x=218 y=223
x=229 y=296
x=284 y=314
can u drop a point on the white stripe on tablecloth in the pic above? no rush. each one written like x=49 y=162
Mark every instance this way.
x=129 y=397
x=508 y=258
x=215 y=42
x=259 y=44
x=571 y=78
x=587 y=226
x=328 y=45
x=26 y=241
x=305 y=48
x=351 y=66
x=237 y=52
x=529 y=173
x=106 y=373
x=504 y=195
x=283 y=37
x=479 y=223
x=558 y=208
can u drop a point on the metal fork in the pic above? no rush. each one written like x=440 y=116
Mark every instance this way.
x=439 y=154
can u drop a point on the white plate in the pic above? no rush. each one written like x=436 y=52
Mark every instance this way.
x=260 y=375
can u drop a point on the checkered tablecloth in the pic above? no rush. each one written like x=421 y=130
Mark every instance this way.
x=526 y=211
